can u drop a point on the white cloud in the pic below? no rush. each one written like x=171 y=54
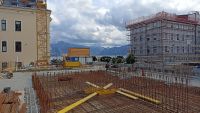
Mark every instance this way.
x=101 y=22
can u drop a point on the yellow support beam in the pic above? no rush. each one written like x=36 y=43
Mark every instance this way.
x=141 y=96
x=94 y=85
x=127 y=95
x=106 y=91
x=120 y=92
x=107 y=86
x=72 y=106
x=89 y=83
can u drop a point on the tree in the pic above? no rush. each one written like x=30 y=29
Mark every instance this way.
x=119 y=60
x=130 y=59
x=114 y=60
x=105 y=59
x=94 y=58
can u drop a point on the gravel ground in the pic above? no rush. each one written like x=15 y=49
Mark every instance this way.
x=19 y=81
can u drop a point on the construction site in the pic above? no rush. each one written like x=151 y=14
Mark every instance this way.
x=127 y=93
x=162 y=80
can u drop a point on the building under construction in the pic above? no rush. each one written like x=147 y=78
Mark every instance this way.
x=164 y=37
x=24 y=33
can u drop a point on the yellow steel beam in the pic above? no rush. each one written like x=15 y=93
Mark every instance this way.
x=107 y=86
x=72 y=106
x=89 y=83
x=127 y=95
x=106 y=91
x=120 y=92
x=141 y=96
x=94 y=85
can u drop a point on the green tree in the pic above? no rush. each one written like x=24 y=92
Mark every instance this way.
x=119 y=60
x=130 y=59
x=105 y=59
x=114 y=60
x=94 y=58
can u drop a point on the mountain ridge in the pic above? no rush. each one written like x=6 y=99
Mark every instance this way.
x=60 y=48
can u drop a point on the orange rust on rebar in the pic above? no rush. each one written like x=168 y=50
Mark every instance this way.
x=54 y=95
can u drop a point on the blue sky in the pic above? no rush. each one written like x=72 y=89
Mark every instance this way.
x=102 y=22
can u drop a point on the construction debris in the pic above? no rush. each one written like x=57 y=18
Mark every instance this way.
x=7 y=73
x=10 y=102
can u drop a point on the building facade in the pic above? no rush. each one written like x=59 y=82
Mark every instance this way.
x=165 y=37
x=20 y=36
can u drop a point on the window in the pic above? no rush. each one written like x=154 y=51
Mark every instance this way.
x=18 y=46
x=135 y=39
x=141 y=38
x=141 y=50
x=4 y=65
x=177 y=49
x=3 y=25
x=154 y=49
x=18 y=65
x=166 y=49
x=4 y=46
x=165 y=35
x=17 y=25
x=183 y=38
x=171 y=25
x=148 y=51
x=172 y=50
x=171 y=36
x=134 y=50
x=177 y=36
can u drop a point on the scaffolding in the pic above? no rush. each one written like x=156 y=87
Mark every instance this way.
x=166 y=30
x=166 y=48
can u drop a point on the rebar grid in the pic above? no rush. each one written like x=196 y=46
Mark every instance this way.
x=56 y=91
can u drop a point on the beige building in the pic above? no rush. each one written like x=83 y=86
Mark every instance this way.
x=24 y=34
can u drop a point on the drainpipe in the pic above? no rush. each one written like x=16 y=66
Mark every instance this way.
x=17 y=63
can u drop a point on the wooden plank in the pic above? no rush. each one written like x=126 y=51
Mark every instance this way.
x=2 y=98
x=15 y=99
x=23 y=108
x=6 y=108
x=3 y=108
x=15 y=108
x=9 y=98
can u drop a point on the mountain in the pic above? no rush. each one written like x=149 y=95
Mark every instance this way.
x=118 y=51
x=59 y=48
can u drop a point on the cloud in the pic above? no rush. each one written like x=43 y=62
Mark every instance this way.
x=102 y=22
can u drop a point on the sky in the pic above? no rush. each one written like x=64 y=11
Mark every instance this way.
x=102 y=22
